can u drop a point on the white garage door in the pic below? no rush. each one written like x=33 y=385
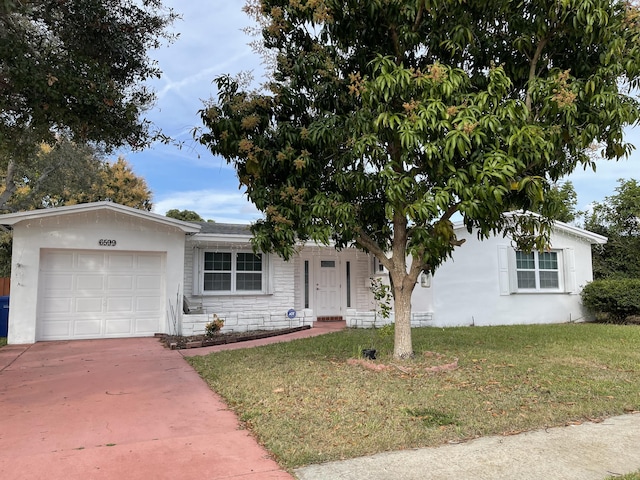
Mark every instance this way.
x=97 y=294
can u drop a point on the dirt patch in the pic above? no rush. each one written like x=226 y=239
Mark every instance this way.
x=431 y=362
x=178 y=342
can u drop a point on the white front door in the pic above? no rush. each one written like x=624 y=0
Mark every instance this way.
x=328 y=287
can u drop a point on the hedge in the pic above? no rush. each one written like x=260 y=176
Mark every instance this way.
x=616 y=298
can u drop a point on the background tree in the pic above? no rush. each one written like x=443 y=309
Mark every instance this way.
x=115 y=182
x=44 y=178
x=618 y=218
x=385 y=118
x=76 y=70
x=184 y=215
x=565 y=200
x=67 y=174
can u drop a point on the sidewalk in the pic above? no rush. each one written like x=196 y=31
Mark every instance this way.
x=592 y=451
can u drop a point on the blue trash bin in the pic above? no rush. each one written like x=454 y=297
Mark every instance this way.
x=4 y=316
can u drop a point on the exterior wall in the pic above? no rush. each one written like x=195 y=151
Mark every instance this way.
x=361 y=271
x=268 y=311
x=241 y=312
x=469 y=289
x=82 y=231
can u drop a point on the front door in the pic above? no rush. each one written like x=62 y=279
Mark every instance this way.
x=328 y=289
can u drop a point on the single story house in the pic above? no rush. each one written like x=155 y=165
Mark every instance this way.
x=103 y=270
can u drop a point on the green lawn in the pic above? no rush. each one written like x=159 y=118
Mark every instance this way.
x=3 y=341
x=630 y=476
x=307 y=404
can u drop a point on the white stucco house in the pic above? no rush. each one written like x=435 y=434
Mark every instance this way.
x=103 y=270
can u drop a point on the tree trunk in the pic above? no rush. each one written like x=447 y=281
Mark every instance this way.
x=403 y=346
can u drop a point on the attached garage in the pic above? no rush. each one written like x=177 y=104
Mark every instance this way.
x=94 y=294
x=97 y=270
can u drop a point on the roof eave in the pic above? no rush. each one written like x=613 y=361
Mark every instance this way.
x=11 y=219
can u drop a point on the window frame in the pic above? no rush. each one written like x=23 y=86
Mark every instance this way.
x=234 y=272
x=537 y=270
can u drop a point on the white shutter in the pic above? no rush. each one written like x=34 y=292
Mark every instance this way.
x=569 y=270
x=505 y=267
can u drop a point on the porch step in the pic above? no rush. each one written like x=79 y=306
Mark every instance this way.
x=330 y=319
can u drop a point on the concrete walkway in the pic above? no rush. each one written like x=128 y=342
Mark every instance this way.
x=117 y=409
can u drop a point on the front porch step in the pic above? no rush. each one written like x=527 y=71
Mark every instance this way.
x=330 y=319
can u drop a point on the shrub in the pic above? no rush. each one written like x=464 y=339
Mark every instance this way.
x=613 y=299
x=213 y=327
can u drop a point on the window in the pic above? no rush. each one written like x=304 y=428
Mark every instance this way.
x=232 y=272
x=537 y=270
x=306 y=284
x=348 y=284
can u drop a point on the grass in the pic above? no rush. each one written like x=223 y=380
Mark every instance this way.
x=3 y=341
x=630 y=476
x=306 y=404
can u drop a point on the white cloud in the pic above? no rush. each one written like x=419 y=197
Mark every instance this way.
x=221 y=206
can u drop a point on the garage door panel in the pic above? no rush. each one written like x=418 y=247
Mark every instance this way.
x=119 y=327
x=125 y=262
x=148 y=282
x=58 y=282
x=89 y=282
x=87 y=305
x=60 y=328
x=120 y=282
x=58 y=305
x=88 y=328
x=59 y=260
x=97 y=294
x=89 y=261
x=123 y=304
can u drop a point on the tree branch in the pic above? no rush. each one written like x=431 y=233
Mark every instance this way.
x=418 y=18
x=532 y=69
x=372 y=247
x=9 y=185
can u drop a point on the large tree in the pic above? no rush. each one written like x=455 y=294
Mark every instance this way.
x=76 y=69
x=618 y=218
x=385 y=118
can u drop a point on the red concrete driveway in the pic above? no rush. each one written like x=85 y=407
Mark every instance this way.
x=117 y=409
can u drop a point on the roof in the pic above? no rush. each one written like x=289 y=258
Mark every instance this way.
x=215 y=228
x=11 y=219
x=572 y=230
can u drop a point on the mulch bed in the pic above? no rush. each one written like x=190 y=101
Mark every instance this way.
x=177 y=342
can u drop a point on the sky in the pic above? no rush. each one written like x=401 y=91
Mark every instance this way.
x=211 y=43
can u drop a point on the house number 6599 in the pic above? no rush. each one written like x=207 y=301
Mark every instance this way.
x=106 y=243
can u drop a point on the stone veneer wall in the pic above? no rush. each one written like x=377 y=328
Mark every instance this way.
x=241 y=313
x=355 y=319
x=194 y=324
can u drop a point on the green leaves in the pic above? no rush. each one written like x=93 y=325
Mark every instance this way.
x=393 y=116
